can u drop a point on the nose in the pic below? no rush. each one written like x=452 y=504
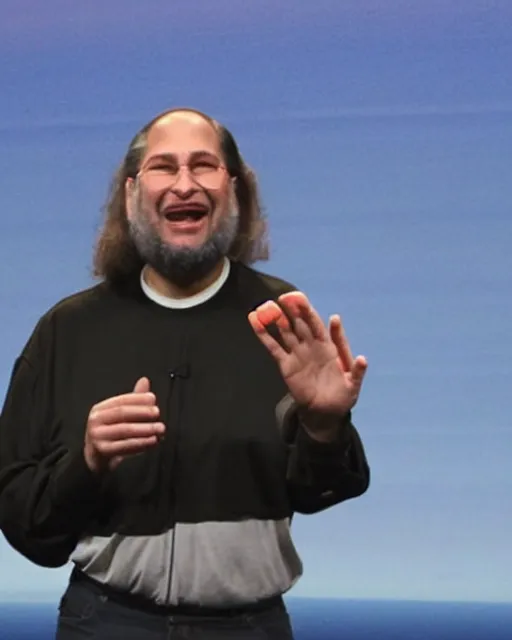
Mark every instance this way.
x=184 y=184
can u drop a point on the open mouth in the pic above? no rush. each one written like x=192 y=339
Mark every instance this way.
x=185 y=213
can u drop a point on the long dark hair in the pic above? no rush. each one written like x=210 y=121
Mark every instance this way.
x=115 y=255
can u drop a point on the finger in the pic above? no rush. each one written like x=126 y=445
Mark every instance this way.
x=302 y=330
x=298 y=306
x=340 y=341
x=290 y=337
x=294 y=301
x=274 y=348
x=126 y=431
x=120 y=448
x=359 y=369
x=271 y=313
x=126 y=399
x=125 y=413
x=142 y=386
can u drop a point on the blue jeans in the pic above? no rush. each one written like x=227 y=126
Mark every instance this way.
x=87 y=612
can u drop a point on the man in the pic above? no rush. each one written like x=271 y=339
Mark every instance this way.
x=161 y=428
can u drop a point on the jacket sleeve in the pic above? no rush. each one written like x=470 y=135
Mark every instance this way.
x=47 y=493
x=321 y=475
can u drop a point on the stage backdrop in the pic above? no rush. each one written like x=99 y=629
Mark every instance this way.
x=381 y=133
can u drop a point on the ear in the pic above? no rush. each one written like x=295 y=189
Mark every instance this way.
x=129 y=193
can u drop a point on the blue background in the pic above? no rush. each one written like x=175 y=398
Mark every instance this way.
x=381 y=132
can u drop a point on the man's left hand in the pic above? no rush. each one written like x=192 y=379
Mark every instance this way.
x=315 y=361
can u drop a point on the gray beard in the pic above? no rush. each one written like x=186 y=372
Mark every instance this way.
x=183 y=266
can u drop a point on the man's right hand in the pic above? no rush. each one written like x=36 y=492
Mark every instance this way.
x=121 y=426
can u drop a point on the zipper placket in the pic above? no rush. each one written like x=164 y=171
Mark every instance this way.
x=172 y=390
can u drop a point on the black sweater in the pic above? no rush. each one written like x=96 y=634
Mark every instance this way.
x=225 y=455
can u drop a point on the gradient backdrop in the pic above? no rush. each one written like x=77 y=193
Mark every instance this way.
x=381 y=132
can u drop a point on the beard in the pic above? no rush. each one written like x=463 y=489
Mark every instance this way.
x=183 y=266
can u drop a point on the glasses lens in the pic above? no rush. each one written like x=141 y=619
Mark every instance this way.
x=208 y=176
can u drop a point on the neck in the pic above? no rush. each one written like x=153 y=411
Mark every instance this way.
x=167 y=288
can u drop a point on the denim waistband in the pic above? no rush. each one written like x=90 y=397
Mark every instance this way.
x=140 y=603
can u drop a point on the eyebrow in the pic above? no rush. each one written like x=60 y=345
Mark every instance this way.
x=171 y=157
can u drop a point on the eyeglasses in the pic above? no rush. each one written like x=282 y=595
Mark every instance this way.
x=205 y=173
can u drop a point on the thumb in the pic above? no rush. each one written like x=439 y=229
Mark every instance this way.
x=141 y=386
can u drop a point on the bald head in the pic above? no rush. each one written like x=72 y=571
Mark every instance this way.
x=182 y=132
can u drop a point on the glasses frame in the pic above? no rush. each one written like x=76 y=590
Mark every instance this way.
x=144 y=170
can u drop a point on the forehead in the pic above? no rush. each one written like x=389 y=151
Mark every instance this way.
x=182 y=134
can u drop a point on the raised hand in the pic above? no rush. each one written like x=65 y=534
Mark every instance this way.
x=121 y=426
x=315 y=361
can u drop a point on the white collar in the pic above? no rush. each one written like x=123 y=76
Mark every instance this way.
x=191 y=301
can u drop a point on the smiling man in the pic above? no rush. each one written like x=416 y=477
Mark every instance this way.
x=183 y=231
x=162 y=427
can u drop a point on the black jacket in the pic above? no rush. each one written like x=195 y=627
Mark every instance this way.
x=233 y=446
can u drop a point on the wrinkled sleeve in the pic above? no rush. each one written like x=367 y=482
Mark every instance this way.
x=321 y=475
x=47 y=492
